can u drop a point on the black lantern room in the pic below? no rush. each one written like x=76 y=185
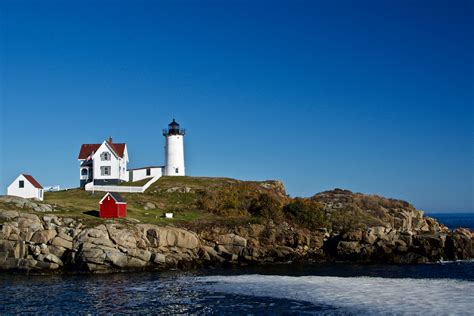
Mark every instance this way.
x=173 y=129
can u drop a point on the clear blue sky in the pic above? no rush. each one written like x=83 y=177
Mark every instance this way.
x=372 y=96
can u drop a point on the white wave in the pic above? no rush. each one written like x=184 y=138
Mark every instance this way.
x=356 y=294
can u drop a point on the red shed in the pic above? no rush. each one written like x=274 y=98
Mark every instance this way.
x=112 y=205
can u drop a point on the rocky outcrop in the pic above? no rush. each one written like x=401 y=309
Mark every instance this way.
x=381 y=244
x=25 y=204
x=31 y=242
x=375 y=210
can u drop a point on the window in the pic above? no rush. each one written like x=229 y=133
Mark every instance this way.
x=177 y=170
x=41 y=194
x=21 y=184
x=105 y=171
x=105 y=156
x=148 y=171
x=84 y=172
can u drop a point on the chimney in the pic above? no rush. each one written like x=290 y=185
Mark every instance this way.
x=110 y=139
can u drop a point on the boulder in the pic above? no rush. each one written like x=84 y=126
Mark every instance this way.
x=369 y=237
x=227 y=255
x=168 y=236
x=98 y=232
x=149 y=206
x=92 y=255
x=184 y=239
x=122 y=236
x=136 y=263
x=9 y=229
x=69 y=221
x=141 y=254
x=233 y=243
x=60 y=242
x=158 y=258
x=377 y=230
x=179 y=189
x=31 y=222
x=26 y=233
x=26 y=263
x=43 y=208
x=465 y=232
x=20 y=250
x=406 y=237
x=34 y=249
x=15 y=200
x=54 y=259
x=8 y=215
x=116 y=257
x=95 y=241
x=56 y=250
x=96 y=268
x=459 y=246
x=65 y=236
x=98 y=237
x=43 y=236
x=283 y=251
x=213 y=254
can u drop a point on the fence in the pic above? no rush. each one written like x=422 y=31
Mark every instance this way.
x=119 y=188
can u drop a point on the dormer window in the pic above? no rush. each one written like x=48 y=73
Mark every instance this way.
x=105 y=156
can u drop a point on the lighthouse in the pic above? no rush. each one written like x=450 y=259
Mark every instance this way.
x=174 y=150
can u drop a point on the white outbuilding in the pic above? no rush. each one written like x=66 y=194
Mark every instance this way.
x=27 y=187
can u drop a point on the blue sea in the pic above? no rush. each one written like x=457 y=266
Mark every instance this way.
x=455 y=220
x=445 y=288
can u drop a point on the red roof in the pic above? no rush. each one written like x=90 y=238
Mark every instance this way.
x=32 y=181
x=87 y=149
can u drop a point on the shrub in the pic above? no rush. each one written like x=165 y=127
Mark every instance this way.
x=267 y=207
x=207 y=201
x=306 y=212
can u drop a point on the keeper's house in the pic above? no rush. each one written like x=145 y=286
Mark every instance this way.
x=27 y=187
x=104 y=164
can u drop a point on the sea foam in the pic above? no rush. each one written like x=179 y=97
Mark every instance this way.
x=356 y=294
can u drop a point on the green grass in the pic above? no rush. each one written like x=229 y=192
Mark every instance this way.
x=167 y=195
x=79 y=203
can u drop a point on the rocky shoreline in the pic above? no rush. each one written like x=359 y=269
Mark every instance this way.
x=40 y=243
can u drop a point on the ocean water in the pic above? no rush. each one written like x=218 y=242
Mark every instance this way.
x=428 y=289
x=445 y=288
x=455 y=220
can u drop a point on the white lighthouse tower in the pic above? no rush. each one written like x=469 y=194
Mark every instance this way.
x=174 y=150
